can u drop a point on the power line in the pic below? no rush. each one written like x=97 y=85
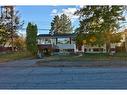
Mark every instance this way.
x=38 y=29
x=45 y=29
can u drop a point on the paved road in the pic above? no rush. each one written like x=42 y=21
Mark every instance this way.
x=21 y=75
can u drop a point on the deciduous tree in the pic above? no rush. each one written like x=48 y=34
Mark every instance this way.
x=10 y=19
x=101 y=21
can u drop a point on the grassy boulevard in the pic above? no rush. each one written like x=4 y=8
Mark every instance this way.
x=86 y=60
x=117 y=56
x=14 y=56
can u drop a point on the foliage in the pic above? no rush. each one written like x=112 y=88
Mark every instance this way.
x=61 y=25
x=3 y=35
x=79 y=39
x=55 y=25
x=10 y=22
x=31 y=38
x=19 y=43
x=102 y=22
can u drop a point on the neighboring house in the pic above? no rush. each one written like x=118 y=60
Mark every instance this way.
x=95 y=49
x=125 y=33
x=123 y=42
x=66 y=43
x=5 y=49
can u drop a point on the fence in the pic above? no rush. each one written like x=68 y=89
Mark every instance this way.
x=5 y=49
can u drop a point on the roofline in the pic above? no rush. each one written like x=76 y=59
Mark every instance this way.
x=56 y=35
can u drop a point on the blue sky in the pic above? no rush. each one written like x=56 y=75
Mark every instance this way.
x=43 y=15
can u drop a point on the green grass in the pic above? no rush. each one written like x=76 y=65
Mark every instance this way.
x=83 y=57
x=14 y=56
x=96 y=60
x=117 y=56
x=121 y=54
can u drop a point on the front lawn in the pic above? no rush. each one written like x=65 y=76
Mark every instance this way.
x=117 y=56
x=14 y=56
x=86 y=60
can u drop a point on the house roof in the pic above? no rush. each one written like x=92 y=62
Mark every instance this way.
x=56 y=35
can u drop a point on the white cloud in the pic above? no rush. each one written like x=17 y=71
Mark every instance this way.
x=81 y=6
x=54 y=11
x=68 y=11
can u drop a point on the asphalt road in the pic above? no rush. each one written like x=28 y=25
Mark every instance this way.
x=22 y=75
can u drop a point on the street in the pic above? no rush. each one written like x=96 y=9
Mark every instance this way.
x=22 y=75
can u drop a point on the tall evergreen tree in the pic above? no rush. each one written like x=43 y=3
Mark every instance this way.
x=31 y=38
x=55 y=25
x=61 y=25
x=66 y=26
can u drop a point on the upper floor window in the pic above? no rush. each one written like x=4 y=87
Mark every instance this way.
x=63 y=41
x=47 y=41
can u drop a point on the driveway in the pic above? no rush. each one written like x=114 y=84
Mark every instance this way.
x=22 y=75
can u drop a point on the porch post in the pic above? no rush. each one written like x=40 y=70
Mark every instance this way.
x=82 y=48
x=70 y=40
x=56 y=41
x=75 y=50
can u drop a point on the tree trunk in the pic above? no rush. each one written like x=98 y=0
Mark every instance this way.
x=100 y=49
x=126 y=42
x=12 y=44
x=108 y=46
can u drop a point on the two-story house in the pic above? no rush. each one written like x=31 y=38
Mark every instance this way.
x=60 y=43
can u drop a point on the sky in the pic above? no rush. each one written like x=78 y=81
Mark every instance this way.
x=43 y=15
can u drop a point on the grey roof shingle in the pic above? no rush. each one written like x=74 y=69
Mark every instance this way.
x=57 y=35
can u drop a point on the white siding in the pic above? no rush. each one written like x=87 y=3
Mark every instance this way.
x=66 y=46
